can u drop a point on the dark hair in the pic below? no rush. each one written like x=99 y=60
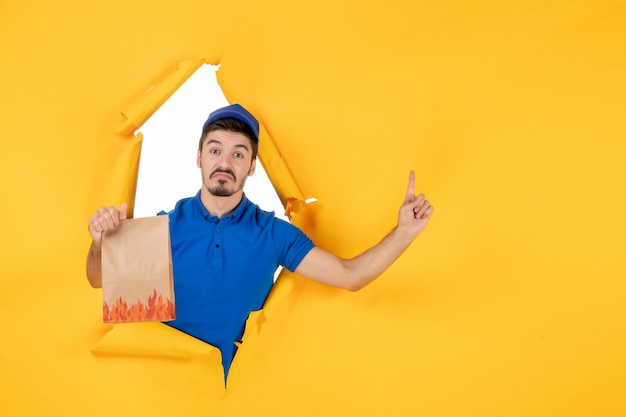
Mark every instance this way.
x=232 y=125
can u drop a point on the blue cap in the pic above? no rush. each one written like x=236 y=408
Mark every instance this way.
x=234 y=111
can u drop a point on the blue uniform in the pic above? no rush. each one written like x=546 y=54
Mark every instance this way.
x=224 y=268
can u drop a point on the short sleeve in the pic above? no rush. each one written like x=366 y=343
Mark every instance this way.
x=291 y=243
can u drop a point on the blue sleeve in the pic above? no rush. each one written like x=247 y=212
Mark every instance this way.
x=292 y=244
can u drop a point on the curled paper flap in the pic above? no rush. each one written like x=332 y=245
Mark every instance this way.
x=123 y=181
x=285 y=185
x=282 y=287
x=145 y=106
x=151 y=339
x=294 y=206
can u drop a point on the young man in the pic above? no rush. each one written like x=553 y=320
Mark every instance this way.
x=225 y=249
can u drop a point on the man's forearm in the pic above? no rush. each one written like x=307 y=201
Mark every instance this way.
x=373 y=262
x=355 y=273
x=94 y=266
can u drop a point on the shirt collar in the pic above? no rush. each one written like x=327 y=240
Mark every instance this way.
x=233 y=216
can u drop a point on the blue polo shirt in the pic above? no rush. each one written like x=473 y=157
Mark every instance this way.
x=224 y=268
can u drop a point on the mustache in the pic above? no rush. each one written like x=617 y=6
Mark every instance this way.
x=225 y=171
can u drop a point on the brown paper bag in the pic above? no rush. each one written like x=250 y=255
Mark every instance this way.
x=137 y=282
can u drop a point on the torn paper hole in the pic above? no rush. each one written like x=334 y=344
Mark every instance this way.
x=167 y=167
x=295 y=206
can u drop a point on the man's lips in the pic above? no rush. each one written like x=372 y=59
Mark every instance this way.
x=223 y=174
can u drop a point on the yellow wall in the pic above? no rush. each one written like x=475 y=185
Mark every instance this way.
x=512 y=114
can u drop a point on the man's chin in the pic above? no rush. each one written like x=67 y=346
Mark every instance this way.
x=221 y=192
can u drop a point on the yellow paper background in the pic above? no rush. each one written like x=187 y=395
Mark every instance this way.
x=512 y=114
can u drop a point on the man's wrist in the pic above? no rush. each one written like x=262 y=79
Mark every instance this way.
x=402 y=236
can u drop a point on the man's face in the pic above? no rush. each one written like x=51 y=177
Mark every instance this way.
x=225 y=162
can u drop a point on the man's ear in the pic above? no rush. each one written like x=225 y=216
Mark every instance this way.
x=199 y=159
x=252 y=167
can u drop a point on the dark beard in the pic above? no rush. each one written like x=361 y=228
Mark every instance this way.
x=221 y=191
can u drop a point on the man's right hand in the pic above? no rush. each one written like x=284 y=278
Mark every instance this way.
x=105 y=219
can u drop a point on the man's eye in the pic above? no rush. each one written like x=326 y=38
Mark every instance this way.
x=214 y=151
x=238 y=155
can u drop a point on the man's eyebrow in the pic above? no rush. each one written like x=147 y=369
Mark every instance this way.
x=239 y=145
x=242 y=145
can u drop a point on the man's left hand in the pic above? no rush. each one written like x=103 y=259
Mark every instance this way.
x=415 y=211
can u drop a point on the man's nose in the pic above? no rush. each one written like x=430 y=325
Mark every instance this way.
x=224 y=161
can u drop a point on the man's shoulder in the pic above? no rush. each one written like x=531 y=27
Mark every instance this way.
x=182 y=207
x=264 y=218
x=253 y=209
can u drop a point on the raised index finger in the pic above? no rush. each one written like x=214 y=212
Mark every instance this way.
x=410 y=192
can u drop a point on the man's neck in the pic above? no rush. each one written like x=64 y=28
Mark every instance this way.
x=219 y=206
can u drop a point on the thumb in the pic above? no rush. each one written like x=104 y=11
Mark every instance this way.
x=123 y=211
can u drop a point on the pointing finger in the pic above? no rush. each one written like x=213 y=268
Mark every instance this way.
x=410 y=192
